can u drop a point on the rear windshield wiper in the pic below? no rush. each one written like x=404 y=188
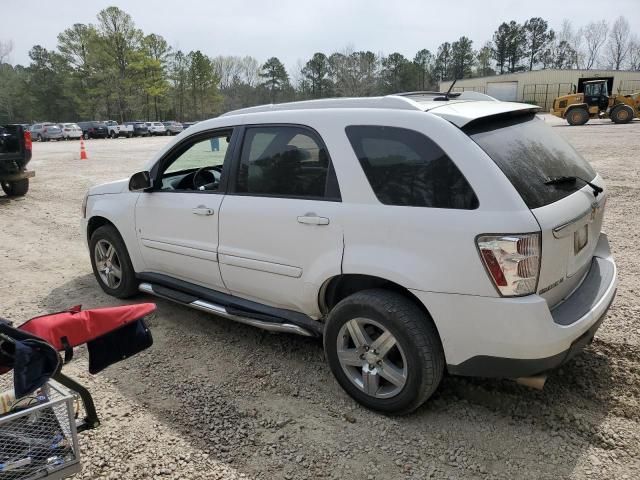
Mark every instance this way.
x=572 y=179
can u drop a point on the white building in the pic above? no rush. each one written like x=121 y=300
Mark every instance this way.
x=542 y=86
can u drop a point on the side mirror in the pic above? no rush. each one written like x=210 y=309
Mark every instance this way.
x=140 y=181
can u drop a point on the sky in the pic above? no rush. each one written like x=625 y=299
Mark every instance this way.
x=293 y=30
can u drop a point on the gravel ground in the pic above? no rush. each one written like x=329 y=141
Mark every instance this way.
x=214 y=399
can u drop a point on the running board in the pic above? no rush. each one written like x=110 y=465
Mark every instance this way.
x=221 y=311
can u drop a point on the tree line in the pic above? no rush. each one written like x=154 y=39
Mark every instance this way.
x=113 y=70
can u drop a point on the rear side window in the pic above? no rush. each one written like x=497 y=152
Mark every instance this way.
x=530 y=153
x=406 y=168
x=285 y=161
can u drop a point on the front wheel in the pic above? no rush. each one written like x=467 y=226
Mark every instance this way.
x=17 y=188
x=578 y=116
x=111 y=263
x=384 y=351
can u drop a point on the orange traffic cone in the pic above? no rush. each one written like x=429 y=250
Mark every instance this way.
x=83 y=152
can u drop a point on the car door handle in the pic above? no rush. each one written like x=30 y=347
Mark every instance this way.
x=313 y=220
x=202 y=210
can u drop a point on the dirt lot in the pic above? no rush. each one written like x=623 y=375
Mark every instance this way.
x=214 y=399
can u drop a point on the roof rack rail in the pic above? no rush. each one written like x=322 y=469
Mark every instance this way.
x=425 y=92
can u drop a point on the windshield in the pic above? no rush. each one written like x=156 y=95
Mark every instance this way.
x=530 y=153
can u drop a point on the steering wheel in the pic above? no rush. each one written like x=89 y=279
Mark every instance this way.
x=203 y=178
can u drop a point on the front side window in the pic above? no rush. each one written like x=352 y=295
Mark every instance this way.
x=406 y=168
x=285 y=161
x=197 y=166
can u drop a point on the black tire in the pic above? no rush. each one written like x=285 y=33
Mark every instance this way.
x=85 y=136
x=622 y=114
x=577 y=116
x=414 y=332
x=17 y=188
x=39 y=138
x=128 y=285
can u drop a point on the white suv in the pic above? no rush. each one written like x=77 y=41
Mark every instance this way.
x=414 y=233
x=156 y=128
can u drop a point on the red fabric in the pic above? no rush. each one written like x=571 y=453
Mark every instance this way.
x=83 y=326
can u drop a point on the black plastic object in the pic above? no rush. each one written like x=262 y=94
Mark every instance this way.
x=118 y=345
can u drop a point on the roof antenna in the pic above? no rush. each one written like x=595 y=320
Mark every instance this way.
x=448 y=94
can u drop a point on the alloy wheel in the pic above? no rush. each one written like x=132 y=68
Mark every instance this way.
x=108 y=264
x=372 y=358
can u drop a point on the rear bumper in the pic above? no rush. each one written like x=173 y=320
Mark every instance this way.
x=516 y=337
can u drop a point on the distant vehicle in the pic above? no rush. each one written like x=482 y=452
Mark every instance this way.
x=15 y=154
x=156 y=128
x=595 y=102
x=139 y=129
x=70 y=131
x=173 y=128
x=116 y=130
x=93 y=129
x=186 y=125
x=43 y=132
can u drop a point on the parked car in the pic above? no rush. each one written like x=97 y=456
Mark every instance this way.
x=70 y=131
x=172 y=128
x=413 y=233
x=43 y=132
x=93 y=129
x=15 y=154
x=139 y=129
x=156 y=128
x=115 y=130
x=186 y=125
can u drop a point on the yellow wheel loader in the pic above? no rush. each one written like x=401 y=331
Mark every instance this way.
x=596 y=102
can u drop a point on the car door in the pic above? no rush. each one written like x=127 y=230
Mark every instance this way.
x=280 y=228
x=177 y=222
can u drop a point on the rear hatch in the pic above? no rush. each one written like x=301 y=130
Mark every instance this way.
x=569 y=213
x=100 y=127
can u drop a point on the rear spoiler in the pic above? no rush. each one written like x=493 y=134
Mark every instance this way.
x=463 y=114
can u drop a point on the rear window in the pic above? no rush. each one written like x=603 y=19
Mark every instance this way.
x=530 y=153
x=406 y=168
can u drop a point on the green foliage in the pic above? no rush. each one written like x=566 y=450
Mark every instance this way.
x=462 y=58
x=537 y=36
x=275 y=78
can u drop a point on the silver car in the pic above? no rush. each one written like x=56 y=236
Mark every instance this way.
x=43 y=132
x=173 y=128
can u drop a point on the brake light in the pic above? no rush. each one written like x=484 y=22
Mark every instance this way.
x=27 y=140
x=512 y=262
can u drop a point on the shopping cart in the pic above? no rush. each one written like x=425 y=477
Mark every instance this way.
x=40 y=407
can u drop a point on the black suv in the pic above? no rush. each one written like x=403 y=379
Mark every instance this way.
x=93 y=129
x=139 y=129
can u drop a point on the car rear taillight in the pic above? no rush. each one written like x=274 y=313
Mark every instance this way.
x=27 y=140
x=512 y=262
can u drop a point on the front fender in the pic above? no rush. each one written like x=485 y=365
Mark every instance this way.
x=118 y=209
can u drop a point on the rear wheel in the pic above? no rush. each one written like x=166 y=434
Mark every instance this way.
x=621 y=114
x=384 y=351
x=111 y=263
x=577 y=116
x=17 y=188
